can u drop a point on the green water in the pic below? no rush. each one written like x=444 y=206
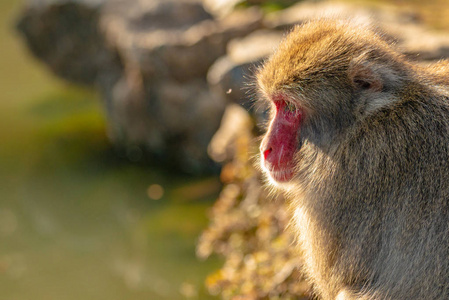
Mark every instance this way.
x=75 y=221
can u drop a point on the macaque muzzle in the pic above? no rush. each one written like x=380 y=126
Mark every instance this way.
x=281 y=141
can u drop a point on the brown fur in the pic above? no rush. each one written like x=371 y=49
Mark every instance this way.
x=371 y=190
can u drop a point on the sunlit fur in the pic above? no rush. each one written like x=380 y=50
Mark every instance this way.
x=370 y=193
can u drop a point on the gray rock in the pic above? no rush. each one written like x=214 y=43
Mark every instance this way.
x=232 y=75
x=149 y=59
x=220 y=8
x=180 y=52
x=164 y=79
x=223 y=145
x=173 y=121
x=66 y=37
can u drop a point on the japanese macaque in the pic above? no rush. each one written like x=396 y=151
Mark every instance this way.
x=359 y=141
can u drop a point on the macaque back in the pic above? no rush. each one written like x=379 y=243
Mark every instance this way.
x=359 y=141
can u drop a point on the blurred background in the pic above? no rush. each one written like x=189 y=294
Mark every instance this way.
x=128 y=139
x=79 y=220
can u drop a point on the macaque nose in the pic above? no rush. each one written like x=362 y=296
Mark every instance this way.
x=267 y=152
x=265 y=148
x=278 y=148
x=271 y=154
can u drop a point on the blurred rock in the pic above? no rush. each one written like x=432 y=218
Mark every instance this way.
x=175 y=121
x=149 y=59
x=430 y=46
x=66 y=37
x=232 y=75
x=235 y=120
x=163 y=98
x=180 y=52
x=220 y=7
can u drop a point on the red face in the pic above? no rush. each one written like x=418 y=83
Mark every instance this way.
x=280 y=143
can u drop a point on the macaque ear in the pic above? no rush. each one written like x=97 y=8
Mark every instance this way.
x=363 y=76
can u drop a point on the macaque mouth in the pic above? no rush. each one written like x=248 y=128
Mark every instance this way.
x=282 y=175
x=281 y=142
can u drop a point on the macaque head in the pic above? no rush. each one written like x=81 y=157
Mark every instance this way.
x=321 y=80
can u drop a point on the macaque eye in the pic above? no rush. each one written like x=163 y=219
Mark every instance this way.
x=289 y=107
